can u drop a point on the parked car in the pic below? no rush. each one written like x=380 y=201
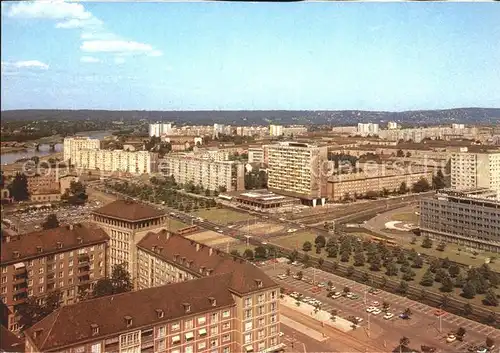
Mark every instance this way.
x=370 y=309
x=451 y=338
x=427 y=349
x=388 y=316
x=336 y=295
x=481 y=350
x=376 y=311
x=404 y=316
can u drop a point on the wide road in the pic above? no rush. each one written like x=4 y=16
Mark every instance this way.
x=423 y=327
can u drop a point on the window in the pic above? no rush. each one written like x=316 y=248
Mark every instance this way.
x=161 y=345
x=4 y=290
x=248 y=326
x=226 y=313
x=176 y=339
x=188 y=349
x=188 y=324
x=262 y=346
x=70 y=272
x=226 y=326
x=80 y=349
x=262 y=322
x=260 y=310
x=226 y=338
x=202 y=345
x=248 y=301
x=273 y=341
x=214 y=330
x=214 y=343
x=273 y=306
x=60 y=274
x=261 y=334
x=40 y=270
x=175 y=326
x=274 y=329
x=40 y=289
x=4 y=269
x=260 y=299
x=248 y=338
x=61 y=283
x=225 y=350
x=189 y=336
x=214 y=318
x=273 y=318
x=30 y=263
x=248 y=314
x=30 y=282
x=162 y=331
x=202 y=320
x=96 y=348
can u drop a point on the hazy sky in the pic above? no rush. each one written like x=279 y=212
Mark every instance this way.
x=175 y=56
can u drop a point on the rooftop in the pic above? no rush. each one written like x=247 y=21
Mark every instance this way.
x=199 y=258
x=9 y=342
x=129 y=311
x=19 y=248
x=129 y=211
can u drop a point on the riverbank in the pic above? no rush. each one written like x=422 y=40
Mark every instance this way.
x=5 y=150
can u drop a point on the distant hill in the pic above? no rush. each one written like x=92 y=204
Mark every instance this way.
x=250 y=117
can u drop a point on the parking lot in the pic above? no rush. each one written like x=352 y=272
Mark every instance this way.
x=424 y=324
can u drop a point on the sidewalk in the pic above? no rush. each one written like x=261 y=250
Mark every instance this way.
x=323 y=316
x=297 y=326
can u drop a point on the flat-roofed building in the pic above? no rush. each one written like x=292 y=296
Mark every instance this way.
x=126 y=222
x=73 y=145
x=346 y=186
x=469 y=218
x=475 y=170
x=203 y=170
x=262 y=199
x=135 y=162
x=298 y=170
x=69 y=259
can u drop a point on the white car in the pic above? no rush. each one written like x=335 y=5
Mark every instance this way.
x=370 y=309
x=388 y=316
x=376 y=304
x=376 y=311
x=281 y=334
x=336 y=295
x=359 y=319
x=451 y=338
x=282 y=276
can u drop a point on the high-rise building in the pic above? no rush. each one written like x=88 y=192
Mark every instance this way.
x=368 y=129
x=475 y=170
x=275 y=130
x=392 y=125
x=69 y=259
x=126 y=222
x=135 y=162
x=158 y=129
x=298 y=170
x=73 y=145
x=468 y=218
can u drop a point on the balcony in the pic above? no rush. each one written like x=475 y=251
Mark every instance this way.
x=20 y=290
x=83 y=263
x=19 y=280
x=83 y=278
x=19 y=299
x=20 y=270
x=51 y=279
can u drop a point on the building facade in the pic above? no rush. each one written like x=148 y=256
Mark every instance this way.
x=298 y=170
x=158 y=129
x=135 y=162
x=368 y=129
x=475 y=170
x=347 y=186
x=69 y=259
x=210 y=174
x=72 y=145
x=126 y=222
x=462 y=217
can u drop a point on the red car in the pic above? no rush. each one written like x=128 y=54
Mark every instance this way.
x=439 y=312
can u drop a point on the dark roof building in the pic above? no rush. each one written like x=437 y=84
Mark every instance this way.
x=9 y=342
x=129 y=211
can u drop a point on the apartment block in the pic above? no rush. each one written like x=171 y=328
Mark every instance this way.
x=126 y=222
x=275 y=130
x=368 y=129
x=70 y=259
x=258 y=154
x=475 y=170
x=135 y=162
x=211 y=174
x=468 y=218
x=346 y=186
x=72 y=145
x=166 y=257
x=298 y=170
x=159 y=129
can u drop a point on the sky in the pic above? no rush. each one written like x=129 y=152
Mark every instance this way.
x=249 y=56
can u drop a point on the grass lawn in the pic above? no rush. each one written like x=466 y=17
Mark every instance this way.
x=174 y=224
x=222 y=215
x=295 y=240
x=406 y=217
x=239 y=247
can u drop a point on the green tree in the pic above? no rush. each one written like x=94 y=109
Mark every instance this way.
x=320 y=241
x=350 y=271
x=403 y=287
x=18 y=188
x=120 y=279
x=365 y=277
x=260 y=252
x=307 y=246
x=454 y=270
x=459 y=281
x=299 y=275
x=408 y=275
x=76 y=193
x=391 y=270
x=418 y=262
x=491 y=298
x=51 y=222
x=441 y=246
x=320 y=262
x=469 y=290
x=467 y=310
x=359 y=259
x=427 y=242
x=34 y=309
x=403 y=188
x=344 y=257
x=248 y=254
x=438 y=181
x=305 y=260
x=421 y=186
x=427 y=279
x=446 y=284
x=235 y=252
x=102 y=288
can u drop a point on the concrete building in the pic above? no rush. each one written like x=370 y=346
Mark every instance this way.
x=135 y=162
x=275 y=130
x=46 y=195
x=298 y=170
x=468 y=218
x=258 y=154
x=126 y=222
x=294 y=130
x=436 y=132
x=73 y=145
x=392 y=125
x=346 y=186
x=70 y=259
x=204 y=171
x=158 y=129
x=368 y=129
x=475 y=170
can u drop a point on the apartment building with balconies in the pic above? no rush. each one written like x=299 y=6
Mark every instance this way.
x=69 y=259
x=73 y=145
x=298 y=170
x=126 y=222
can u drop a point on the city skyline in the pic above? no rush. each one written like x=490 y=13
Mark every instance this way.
x=234 y=56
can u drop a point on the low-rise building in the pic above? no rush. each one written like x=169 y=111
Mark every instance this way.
x=45 y=196
x=134 y=162
x=469 y=218
x=69 y=259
